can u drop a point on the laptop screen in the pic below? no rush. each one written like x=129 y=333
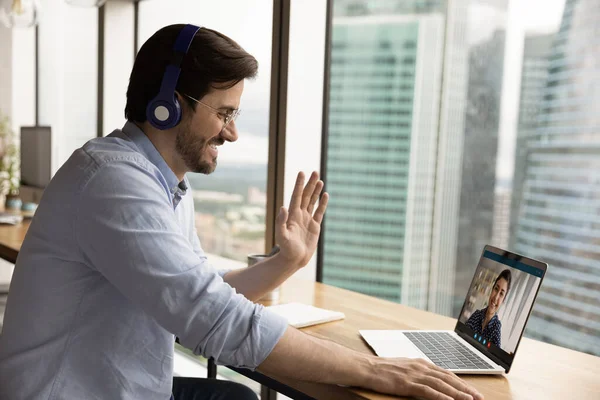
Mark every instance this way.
x=499 y=302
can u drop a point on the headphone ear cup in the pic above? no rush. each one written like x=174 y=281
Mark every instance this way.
x=163 y=114
x=164 y=111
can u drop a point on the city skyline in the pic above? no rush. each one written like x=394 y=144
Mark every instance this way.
x=558 y=215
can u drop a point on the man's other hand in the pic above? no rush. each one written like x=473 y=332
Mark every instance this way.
x=297 y=229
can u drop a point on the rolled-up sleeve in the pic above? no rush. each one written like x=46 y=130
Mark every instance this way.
x=127 y=231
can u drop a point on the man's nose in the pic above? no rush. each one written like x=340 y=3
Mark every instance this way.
x=230 y=133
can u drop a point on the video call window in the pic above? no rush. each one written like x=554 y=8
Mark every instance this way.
x=499 y=301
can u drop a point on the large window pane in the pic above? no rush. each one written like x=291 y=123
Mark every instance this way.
x=454 y=124
x=384 y=130
x=231 y=202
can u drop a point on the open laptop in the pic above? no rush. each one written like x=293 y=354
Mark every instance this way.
x=472 y=348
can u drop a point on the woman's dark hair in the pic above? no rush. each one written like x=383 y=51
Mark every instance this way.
x=214 y=61
x=506 y=275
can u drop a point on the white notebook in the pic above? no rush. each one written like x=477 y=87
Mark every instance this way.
x=10 y=219
x=301 y=315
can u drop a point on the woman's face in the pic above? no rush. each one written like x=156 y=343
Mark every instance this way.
x=497 y=296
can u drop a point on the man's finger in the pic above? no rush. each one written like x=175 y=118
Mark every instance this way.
x=309 y=190
x=446 y=388
x=458 y=383
x=322 y=207
x=425 y=392
x=315 y=197
x=297 y=194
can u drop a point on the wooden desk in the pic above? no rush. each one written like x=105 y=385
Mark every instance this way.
x=11 y=238
x=540 y=370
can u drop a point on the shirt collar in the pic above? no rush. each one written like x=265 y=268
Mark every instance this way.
x=139 y=138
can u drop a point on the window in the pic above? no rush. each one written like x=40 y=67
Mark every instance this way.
x=231 y=202
x=484 y=135
x=388 y=59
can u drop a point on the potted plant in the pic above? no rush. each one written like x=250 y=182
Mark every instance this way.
x=9 y=166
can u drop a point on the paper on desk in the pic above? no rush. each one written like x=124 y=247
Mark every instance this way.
x=11 y=219
x=301 y=315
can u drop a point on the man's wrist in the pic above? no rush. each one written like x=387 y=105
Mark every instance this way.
x=367 y=366
x=284 y=263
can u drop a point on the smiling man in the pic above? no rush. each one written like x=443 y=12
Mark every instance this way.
x=111 y=270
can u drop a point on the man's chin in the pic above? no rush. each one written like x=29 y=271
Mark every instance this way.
x=206 y=168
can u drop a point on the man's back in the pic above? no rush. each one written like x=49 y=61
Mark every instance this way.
x=80 y=313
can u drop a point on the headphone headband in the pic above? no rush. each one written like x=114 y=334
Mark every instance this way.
x=163 y=111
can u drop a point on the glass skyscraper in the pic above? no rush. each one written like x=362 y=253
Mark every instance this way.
x=558 y=220
x=382 y=86
x=534 y=74
x=386 y=135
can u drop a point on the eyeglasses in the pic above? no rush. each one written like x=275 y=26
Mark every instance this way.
x=227 y=117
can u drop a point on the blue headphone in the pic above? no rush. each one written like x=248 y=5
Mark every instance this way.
x=163 y=111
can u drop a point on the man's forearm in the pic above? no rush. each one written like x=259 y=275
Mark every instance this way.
x=304 y=357
x=262 y=277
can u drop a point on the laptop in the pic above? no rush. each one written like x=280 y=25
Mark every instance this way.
x=490 y=325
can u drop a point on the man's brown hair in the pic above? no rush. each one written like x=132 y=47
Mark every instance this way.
x=213 y=61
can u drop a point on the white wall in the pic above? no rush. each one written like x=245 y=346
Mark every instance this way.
x=68 y=51
x=5 y=70
x=305 y=98
x=118 y=62
x=23 y=78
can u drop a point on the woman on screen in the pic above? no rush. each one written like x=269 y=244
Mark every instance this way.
x=485 y=322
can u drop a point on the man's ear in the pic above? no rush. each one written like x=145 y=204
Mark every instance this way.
x=179 y=99
x=185 y=104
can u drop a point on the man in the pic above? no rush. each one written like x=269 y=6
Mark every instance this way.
x=112 y=270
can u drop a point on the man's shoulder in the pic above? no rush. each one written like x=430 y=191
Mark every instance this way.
x=113 y=149
x=112 y=158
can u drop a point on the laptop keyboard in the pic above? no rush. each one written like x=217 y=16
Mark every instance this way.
x=445 y=351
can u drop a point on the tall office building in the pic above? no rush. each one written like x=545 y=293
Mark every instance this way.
x=386 y=136
x=558 y=220
x=500 y=227
x=385 y=84
x=534 y=74
x=482 y=120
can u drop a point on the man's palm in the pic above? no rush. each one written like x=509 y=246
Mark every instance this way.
x=297 y=230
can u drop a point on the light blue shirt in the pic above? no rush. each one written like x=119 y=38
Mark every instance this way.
x=110 y=270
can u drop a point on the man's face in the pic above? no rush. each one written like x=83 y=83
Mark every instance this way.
x=201 y=131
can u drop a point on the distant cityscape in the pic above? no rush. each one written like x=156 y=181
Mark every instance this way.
x=231 y=209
